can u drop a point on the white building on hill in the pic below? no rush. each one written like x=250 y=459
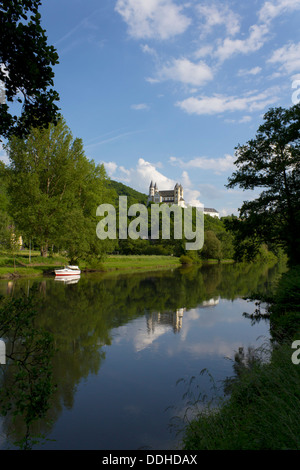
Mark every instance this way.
x=173 y=196
x=170 y=196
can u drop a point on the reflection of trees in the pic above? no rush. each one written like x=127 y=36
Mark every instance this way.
x=26 y=378
x=81 y=316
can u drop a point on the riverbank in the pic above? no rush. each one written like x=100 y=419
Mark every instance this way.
x=38 y=266
x=258 y=408
x=31 y=265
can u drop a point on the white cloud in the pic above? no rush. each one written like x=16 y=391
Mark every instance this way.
x=225 y=163
x=253 y=71
x=243 y=120
x=186 y=179
x=219 y=103
x=148 y=50
x=258 y=33
x=203 y=51
x=191 y=196
x=185 y=71
x=288 y=57
x=140 y=106
x=218 y=15
x=140 y=177
x=271 y=9
x=159 y=19
x=152 y=80
x=110 y=168
x=256 y=39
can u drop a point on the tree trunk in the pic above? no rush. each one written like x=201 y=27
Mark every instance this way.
x=44 y=251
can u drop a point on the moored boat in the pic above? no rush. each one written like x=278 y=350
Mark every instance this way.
x=68 y=271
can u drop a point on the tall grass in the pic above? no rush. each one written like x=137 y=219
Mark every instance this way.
x=262 y=412
x=259 y=407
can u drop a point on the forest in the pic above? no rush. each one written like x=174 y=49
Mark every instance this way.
x=49 y=194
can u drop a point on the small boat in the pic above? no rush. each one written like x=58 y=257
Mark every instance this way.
x=68 y=271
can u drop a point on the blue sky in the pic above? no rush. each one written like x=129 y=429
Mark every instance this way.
x=164 y=90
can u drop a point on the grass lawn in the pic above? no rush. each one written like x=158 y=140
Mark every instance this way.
x=140 y=261
x=35 y=265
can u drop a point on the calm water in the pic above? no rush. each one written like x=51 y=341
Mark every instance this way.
x=125 y=341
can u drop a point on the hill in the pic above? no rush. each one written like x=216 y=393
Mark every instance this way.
x=133 y=196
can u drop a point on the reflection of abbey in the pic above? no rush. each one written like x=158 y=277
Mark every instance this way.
x=173 y=196
x=173 y=319
x=165 y=319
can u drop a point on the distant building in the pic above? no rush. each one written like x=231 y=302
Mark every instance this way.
x=211 y=212
x=173 y=196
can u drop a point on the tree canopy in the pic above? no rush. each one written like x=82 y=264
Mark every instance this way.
x=54 y=191
x=271 y=162
x=26 y=62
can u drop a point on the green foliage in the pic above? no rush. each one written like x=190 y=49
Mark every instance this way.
x=184 y=259
x=133 y=196
x=26 y=382
x=27 y=72
x=212 y=246
x=61 y=190
x=97 y=307
x=227 y=244
x=262 y=412
x=284 y=309
x=270 y=162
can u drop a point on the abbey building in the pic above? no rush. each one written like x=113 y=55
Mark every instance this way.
x=173 y=196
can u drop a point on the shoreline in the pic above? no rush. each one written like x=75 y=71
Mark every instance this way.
x=114 y=263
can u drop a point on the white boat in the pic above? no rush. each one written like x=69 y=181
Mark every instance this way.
x=68 y=271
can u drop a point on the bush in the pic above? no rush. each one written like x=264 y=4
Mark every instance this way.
x=184 y=259
x=285 y=308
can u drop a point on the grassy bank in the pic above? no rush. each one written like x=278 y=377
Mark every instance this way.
x=35 y=265
x=122 y=262
x=258 y=408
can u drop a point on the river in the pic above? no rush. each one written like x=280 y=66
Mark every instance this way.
x=127 y=346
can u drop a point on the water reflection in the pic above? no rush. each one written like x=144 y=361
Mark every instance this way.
x=67 y=279
x=122 y=342
x=171 y=320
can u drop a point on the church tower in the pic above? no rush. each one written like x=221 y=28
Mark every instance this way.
x=151 y=190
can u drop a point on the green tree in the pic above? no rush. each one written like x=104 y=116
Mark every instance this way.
x=212 y=246
x=26 y=62
x=227 y=247
x=54 y=190
x=270 y=161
